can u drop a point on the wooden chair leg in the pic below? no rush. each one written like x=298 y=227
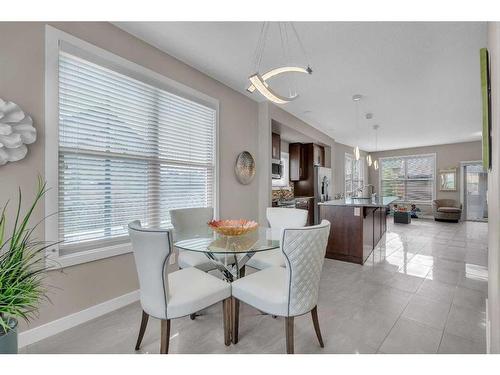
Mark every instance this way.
x=314 y=314
x=289 y=334
x=226 y=318
x=192 y=316
x=165 y=336
x=236 y=319
x=144 y=323
x=242 y=271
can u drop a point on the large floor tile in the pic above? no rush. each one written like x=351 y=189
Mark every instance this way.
x=408 y=336
x=407 y=283
x=466 y=323
x=437 y=290
x=451 y=344
x=472 y=299
x=427 y=311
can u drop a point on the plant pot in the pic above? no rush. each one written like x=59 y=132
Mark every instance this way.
x=8 y=341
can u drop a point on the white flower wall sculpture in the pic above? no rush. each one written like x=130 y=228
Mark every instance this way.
x=16 y=131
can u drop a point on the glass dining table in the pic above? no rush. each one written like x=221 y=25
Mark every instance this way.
x=229 y=254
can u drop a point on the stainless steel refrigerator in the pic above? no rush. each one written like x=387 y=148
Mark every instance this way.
x=322 y=188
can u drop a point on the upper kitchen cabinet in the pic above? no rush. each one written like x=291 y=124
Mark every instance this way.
x=319 y=155
x=299 y=159
x=276 y=147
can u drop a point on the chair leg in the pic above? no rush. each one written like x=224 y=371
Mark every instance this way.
x=314 y=314
x=165 y=336
x=192 y=316
x=242 y=271
x=289 y=334
x=226 y=318
x=144 y=323
x=236 y=319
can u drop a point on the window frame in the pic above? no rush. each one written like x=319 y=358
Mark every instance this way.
x=54 y=39
x=352 y=179
x=434 y=184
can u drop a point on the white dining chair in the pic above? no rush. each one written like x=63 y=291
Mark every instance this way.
x=290 y=291
x=172 y=295
x=189 y=222
x=278 y=219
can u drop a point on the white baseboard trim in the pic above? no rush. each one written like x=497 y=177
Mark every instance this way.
x=33 y=335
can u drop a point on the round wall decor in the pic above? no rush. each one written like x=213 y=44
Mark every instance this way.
x=245 y=168
x=16 y=131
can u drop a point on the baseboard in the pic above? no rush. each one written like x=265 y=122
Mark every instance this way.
x=69 y=321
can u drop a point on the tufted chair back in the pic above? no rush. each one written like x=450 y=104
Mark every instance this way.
x=190 y=221
x=152 y=248
x=280 y=218
x=304 y=250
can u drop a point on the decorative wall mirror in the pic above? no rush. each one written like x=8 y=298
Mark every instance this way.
x=448 y=179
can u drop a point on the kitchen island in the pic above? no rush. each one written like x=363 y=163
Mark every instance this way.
x=357 y=225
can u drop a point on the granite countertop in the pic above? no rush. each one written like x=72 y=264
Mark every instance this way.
x=361 y=202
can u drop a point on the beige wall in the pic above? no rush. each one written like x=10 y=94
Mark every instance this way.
x=22 y=81
x=338 y=166
x=447 y=156
x=493 y=312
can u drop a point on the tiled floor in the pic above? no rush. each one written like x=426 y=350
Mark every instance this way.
x=422 y=291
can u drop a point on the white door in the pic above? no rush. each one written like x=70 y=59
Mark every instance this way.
x=475 y=191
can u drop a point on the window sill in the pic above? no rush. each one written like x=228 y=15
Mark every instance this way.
x=90 y=255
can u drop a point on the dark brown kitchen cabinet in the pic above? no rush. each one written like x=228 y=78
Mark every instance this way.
x=298 y=161
x=354 y=230
x=319 y=155
x=276 y=147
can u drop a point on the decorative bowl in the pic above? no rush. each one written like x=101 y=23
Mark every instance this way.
x=233 y=227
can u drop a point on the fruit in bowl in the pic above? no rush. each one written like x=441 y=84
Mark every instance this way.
x=233 y=227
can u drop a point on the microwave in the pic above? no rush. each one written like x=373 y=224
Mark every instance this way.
x=277 y=169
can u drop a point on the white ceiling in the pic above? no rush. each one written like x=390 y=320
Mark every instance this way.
x=420 y=80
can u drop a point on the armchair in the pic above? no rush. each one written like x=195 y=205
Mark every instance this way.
x=446 y=210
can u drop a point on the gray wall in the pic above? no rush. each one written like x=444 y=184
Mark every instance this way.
x=22 y=81
x=447 y=156
x=493 y=194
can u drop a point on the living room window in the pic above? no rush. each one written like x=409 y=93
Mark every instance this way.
x=353 y=173
x=411 y=178
x=128 y=149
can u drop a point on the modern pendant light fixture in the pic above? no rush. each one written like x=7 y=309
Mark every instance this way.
x=375 y=163
x=258 y=81
x=356 y=98
x=369 y=160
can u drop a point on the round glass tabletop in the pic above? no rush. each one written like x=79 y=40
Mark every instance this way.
x=212 y=242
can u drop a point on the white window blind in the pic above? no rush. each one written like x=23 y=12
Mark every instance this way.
x=127 y=151
x=353 y=173
x=411 y=178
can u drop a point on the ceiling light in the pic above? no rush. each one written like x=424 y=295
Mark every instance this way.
x=375 y=162
x=278 y=71
x=369 y=160
x=356 y=98
x=258 y=81
x=269 y=94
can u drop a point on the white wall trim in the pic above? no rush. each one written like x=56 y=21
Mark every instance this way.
x=69 y=321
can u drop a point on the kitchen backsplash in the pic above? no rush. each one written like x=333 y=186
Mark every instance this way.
x=283 y=193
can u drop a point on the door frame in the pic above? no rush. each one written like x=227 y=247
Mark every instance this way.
x=463 y=164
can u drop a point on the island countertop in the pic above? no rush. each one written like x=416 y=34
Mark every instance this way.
x=361 y=202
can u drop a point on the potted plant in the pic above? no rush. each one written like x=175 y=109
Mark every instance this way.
x=22 y=269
